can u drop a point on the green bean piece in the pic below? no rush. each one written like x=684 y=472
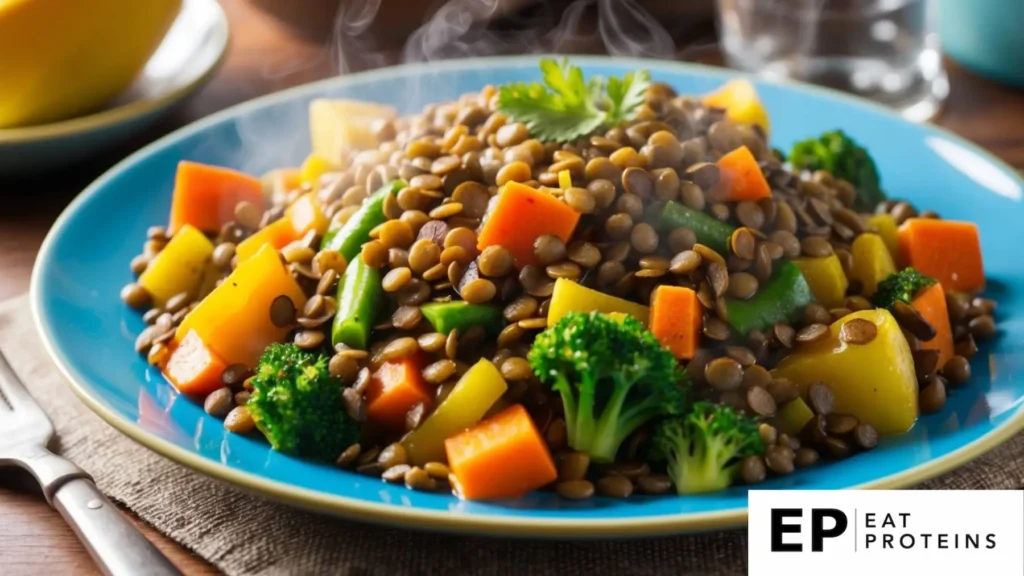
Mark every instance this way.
x=359 y=297
x=709 y=231
x=460 y=315
x=348 y=238
x=781 y=299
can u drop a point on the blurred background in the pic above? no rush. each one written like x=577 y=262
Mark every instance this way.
x=952 y=62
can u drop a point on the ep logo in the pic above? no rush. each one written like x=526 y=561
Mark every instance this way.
x=823 y=523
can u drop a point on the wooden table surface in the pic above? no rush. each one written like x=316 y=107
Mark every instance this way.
x=265 y=57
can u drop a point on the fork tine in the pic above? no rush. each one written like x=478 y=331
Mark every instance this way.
x=17 y=395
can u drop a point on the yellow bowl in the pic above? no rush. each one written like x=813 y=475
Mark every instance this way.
x=65 y=58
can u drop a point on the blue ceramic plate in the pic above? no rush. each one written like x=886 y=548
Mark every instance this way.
x=90 y=333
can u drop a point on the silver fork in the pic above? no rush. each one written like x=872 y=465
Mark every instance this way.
x=113 y=542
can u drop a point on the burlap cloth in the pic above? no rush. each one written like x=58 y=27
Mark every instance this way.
x=243 y=534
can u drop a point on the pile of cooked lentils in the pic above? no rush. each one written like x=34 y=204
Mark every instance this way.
x=454 y=158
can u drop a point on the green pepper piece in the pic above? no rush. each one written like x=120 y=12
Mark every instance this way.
x=710 y=232
x=781 y=299
x=460 y=315
x=348 y=238
x=359 y=297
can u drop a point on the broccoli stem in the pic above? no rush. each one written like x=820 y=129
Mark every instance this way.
x=704 y=469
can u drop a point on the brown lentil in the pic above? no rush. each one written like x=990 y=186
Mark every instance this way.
x=282 y=312
x=779 y=459
x=932 y=397
x=865 y=436
x=983 y=326
x=957 y=371
x=806 y=457
x=820 y=398
x=752 y=469
x=811 y=333
x=615 y=486
x=348 y=456
x=858 y=331
x=239 y=420
x=761 y=402
x=724 y=374
x=575 y=489
x=135 y=296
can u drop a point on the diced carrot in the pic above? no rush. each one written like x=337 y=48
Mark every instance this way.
x=394 y=389
x=501 y=457
x=234 y=320
x=676 y=319
x=302 y=216
x=193 y=368
x=740 y=178
x=205 y=196
x=931 y=303
x=946 y=250
x=520 y=215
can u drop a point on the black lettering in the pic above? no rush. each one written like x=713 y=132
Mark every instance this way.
x=818 y=532
x=886 y=541
x=868 y=540
x=903 y=541
x=888 y=522
x=925 y=537
x=956 y=541
x=905 y=516
x=779 y=528
x=973 y=540
x=943 y=541
x=991 y=538
x=869 y=520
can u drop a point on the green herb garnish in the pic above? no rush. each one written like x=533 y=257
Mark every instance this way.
x=566 y=107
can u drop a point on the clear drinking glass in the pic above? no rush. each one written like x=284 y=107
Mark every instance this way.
x=885 y=50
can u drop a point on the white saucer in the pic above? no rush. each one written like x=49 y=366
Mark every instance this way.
x=187 y=57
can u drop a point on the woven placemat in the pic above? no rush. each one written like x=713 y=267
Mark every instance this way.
x=244 y=534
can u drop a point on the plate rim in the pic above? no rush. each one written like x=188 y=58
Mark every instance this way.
x=491 y=524
x=114 y=116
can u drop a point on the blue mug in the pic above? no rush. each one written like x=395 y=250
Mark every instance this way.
x=986 y=36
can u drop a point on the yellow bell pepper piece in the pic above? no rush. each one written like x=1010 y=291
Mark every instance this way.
x=234 y=319
x=792 y=417
x=302 y=216
x=826 y=278
x=564 y=180
x=478 y=389
x=305 y=214
x=740 y=102
x=872 y=262
x=571 y=297
x=885 y=226
x=339 y=125
x=313 y=168
x=178 y=267
x=874 y=381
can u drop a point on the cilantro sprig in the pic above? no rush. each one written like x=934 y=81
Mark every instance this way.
x=566 y=106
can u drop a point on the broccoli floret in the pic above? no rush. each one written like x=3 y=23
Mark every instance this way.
x=297 y=404
x=902 y=286
x=839 y=154
x=704 y=447
x=613 y=376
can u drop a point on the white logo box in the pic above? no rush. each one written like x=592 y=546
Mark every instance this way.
x=908 y=533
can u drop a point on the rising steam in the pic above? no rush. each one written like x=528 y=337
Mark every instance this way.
x=457 y=29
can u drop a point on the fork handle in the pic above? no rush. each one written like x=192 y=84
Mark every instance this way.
x=116 y=545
